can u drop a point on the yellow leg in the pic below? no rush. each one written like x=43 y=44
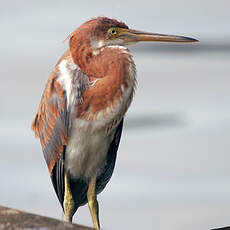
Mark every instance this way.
x=68 y=203
x=93 y=204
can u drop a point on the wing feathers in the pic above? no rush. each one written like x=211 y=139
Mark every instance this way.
x=51 y=121
x=107 y=172
x=58 y=178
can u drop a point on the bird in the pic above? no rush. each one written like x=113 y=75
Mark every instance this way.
x=80 y=117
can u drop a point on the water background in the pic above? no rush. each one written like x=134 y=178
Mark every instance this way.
x=172 y=170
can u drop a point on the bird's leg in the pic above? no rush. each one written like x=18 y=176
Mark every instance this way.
x=68 y=203
x=93 y=204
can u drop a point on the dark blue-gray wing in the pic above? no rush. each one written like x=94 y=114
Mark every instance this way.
x=107 y=172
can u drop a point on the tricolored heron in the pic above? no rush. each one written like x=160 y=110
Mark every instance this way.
x=80 y=117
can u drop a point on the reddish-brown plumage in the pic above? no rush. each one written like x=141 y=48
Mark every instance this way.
x=47 y=115
x=110 y=69
x=107 y=88
x=81 y=40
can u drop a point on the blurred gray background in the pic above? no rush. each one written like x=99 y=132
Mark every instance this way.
x=173 y=168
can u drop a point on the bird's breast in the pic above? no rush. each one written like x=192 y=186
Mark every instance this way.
x=100 y=114
x=109 y=97
x=95 y=112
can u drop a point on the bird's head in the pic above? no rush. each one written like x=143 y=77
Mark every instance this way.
x=88 y=40
x=100 y=32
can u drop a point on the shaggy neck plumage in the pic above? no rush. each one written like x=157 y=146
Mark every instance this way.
x=106 y=62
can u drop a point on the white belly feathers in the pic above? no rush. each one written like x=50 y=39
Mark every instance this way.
x=86 y=150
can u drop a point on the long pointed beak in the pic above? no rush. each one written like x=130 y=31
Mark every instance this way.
x=131 y=36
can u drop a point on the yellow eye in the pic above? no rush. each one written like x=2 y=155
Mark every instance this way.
x=112 y=31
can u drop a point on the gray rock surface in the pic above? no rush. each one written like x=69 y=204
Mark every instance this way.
x=12 y=219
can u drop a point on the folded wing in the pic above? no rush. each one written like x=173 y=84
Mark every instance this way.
x=51 y=126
